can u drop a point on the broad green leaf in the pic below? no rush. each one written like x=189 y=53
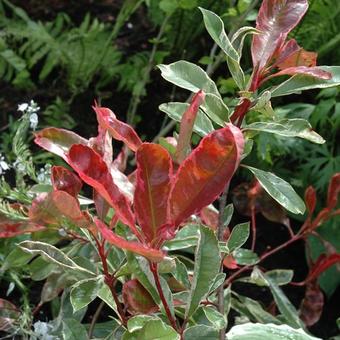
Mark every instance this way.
x=301 y=82
x=288 y=128
x=245 y=257
x=227 y=215
x=219 y=279
x=16 y=258
x=152 y=329
x=51 y=254
x=207 y=264
x=284 y=305
x=84 y=292
x=279 y=276
x=185 y=238
x=104 y=293
x=175 y=111
x=280 y=190
x=73 y=330
x=215 y=109
x=252 y=309
x=256 y=331
x=239 y=236
x=188 y=76
x=215 y=317
x=137 y=322
x=180 y=273
x=215 y=28
x=200 y=332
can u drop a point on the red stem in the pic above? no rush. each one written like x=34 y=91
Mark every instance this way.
x=154 y=270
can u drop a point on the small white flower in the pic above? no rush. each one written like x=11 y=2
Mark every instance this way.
x=22 y=107
x=34 y=121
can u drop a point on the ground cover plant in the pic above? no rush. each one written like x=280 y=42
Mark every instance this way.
x=138 y=230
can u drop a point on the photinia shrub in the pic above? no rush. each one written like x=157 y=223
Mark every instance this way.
x=149 y=243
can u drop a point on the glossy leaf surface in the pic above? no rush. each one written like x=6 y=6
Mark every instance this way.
x=276 y=18
x=154 y=255
x=58 y=141
x=154 y=172
x=65 y=180
x=117 y=129
x=203 y=175
x=316 y=72
x=92 y=169
x=280 y=190
x=207 y=264
x=300 y=82
x=288 y=128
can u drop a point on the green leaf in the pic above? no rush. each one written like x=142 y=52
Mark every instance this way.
x=186 y=237
x=137 y=322
x=207 y=264
x=288 y=128
x=180 y=273
x=284 y=305
x=252 y=309
x=104 y=293
x=84 y=292
x=280 y=190
x=175 y=111
x=200 y=332
x=279 y=276
x=256 y=331
x=215 y=317
x=73 y=330
x=301 y=82
x=153 y=328
x=188 y=76
x=219 y=279
x=16 y=258
x=228 y=212
x=239 y=236
x=215 y=109
x=51 y=254
x=245 y=257
x=215 y=28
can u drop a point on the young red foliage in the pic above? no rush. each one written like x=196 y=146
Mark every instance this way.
x=116 y=128
x=65 y=180
x=137 y=299
x=92 y=169
x=333 y=191
x=58 y=141
x=11 y=228
x=205 y=172
x=152 y=254
x=310 y=199
x=154 y=173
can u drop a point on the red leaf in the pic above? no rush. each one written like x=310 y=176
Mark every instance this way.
x=187 y=124
x=116 y=128
x=154 y=172
x=308 y=71
x=58 y=141
x=300 y=57
x=137 y=299
x=209 y=216
x=310 y=199
x=203 y=175
x=288 y=48
x=103 y=145
x=14 y=228
x=312 y=304
x=9 y=313
x=152 y=254
x=230 y=263
x=92 y=169
x=65 y=180
x=275 y=20
x=322 y=263
x=54 y=207
x=333 y=191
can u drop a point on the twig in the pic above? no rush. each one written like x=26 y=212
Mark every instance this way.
x=95 y=318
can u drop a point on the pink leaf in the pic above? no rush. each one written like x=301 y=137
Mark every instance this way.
x=53 y=208
x=116 y=128
x=300 y=57
x=15 y=228
x=58 y=141
x=203 y=175
x=308 y=71
x=275 y=20
x=92 y=169
x=65 y=180
x=152 y=254
x=187 y=124
x=154 y=171
x=310 y=199
x=137 y=299
x=312 y=304
x=333 y=191
x=322 y=264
